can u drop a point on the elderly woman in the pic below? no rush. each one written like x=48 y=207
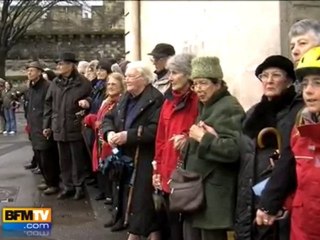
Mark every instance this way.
x=130 y=126
x=304 y=35
x=82 y=66
x=97 y=73
x=213 y=151
x=101 y=150
x=177 y=115
x=277 y=109
x=305 y=144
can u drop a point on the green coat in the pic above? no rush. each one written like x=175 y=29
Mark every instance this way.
x=216 y=159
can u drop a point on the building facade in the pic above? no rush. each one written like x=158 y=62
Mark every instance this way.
x=242 y=34
x=92 y=31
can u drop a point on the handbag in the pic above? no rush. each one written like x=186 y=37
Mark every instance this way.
x=187 y=194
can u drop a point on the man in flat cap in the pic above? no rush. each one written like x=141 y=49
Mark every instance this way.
x=44 y=148
x=159 y=57
x=66 y=102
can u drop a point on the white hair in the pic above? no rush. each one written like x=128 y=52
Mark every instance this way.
x=303 y=26
x=83 y=64
x=116 y=68
x=143 y=69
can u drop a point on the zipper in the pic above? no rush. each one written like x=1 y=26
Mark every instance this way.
x=305 y=157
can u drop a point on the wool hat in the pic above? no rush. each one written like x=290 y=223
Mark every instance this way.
x=180 y=63
x=206 y=67
x=277 y=61
x=162 y=50
x=67 y=57
x=35 y=64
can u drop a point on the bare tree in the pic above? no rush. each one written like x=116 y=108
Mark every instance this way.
x=16 y=17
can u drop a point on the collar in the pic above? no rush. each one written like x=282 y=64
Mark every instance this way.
x=161 y=73
x=222 y=92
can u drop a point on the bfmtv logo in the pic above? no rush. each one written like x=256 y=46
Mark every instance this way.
x=19 y=215
x=26 y=219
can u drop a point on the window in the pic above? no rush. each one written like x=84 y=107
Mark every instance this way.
x=86 y=11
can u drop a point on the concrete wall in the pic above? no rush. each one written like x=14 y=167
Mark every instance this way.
x=242 y=34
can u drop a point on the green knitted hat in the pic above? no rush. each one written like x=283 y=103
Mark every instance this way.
x=206 y=67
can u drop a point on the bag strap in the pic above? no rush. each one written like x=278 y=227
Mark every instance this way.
x=182 y=160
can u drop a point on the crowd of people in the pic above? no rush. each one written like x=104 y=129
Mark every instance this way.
x=128 y=130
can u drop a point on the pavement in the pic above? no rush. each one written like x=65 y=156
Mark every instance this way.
x=72 y=220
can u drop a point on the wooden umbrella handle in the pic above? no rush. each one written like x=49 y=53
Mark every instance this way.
x=269 y=130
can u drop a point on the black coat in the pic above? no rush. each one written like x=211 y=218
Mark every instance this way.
x=61 y=107
x=146 y=113
x=36 y=97
x=254 y=161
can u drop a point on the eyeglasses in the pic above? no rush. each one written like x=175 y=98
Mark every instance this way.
x=274 y=76
x=203 y=84
x=155 y=59
x=313 y=83
x=133 y=76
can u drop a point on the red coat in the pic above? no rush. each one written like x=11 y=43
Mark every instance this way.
x=305 y=221
x=94 y=121
x=176 y=117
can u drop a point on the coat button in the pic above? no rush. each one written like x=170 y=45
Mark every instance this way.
x=141 y=109
x=116 y=208
x=33 y=109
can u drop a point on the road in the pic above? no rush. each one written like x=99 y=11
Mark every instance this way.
x=72 y=220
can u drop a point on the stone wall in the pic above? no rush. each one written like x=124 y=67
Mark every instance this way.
x=85 y=46
x=65 y=28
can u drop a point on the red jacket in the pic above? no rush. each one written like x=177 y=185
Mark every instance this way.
x=305 y=221
x=176 y=117
x=101 y=149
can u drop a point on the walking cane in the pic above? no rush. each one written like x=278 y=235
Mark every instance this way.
x=133 y=178
x=276 y=155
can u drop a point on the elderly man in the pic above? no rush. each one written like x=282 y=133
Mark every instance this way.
x=66 y=101
x=159 y=57
x=44 y=148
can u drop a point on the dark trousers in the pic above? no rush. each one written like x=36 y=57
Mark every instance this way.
x=104 y=184
x=88 y=137
x=35 y=159
x=191 y=233
x=172 y=227
x=72 y=164
x=120 y=192
x=280 y=230
x=49 y=165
